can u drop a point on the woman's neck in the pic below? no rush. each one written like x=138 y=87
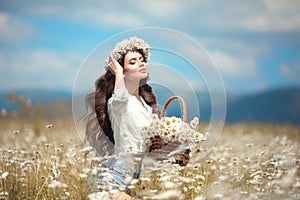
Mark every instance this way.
x=132 y=87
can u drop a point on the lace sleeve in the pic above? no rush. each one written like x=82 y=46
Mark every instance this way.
x=118 y=101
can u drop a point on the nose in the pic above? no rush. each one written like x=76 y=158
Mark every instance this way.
x=142 y=63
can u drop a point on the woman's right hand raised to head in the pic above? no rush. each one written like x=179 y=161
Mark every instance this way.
x=114 y=67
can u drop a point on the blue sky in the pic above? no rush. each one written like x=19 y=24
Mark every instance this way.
x=255 y=44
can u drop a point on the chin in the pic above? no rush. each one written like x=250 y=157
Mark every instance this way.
x=144 y=77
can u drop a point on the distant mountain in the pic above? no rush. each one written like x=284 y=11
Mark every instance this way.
x=40 y=96
x=276 y=106
x=55 y=104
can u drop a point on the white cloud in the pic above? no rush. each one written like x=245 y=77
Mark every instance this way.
x=37 y=60
x=234 y=62
x=242 y=16
x=235 y=45
x=160 y=9
x=114 y=19
x=237 y=67
x=96 y=13
x=267 y=20
x=261 y=87
x=225 y=26
x=292 y=72
x=281 y=15
x=13 y=30
x=39 y=68
x=258 y=16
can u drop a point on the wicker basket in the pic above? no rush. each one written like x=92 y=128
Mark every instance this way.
x=160 y=148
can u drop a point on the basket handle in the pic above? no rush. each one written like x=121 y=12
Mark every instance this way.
x=183 y=104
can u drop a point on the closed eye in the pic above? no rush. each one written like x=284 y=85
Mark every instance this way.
x=133 y=61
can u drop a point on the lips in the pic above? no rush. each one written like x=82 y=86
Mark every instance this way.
x=142 y=69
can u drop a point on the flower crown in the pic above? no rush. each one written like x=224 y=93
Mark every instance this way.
x=130 y=44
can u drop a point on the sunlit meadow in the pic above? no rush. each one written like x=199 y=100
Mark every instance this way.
x=249 y=161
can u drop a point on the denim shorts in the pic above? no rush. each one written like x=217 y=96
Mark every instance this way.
x=113 y=174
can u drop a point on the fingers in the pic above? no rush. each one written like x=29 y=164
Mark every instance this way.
x=110 y=64
x=121 y=195
x=113 y=65
x=111 y=58
x=110 y=68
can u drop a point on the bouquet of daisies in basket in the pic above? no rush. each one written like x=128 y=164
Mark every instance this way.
x=173 y=137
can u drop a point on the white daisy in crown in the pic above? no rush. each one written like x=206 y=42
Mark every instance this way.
x=130 y=44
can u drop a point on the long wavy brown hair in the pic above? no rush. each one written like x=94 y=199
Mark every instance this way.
x=97 y=101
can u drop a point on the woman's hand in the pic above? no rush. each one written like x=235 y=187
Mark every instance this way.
x=121 y=196
x=114 y=67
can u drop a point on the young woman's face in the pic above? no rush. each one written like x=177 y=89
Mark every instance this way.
x=135 y=66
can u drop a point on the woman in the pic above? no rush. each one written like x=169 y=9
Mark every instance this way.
x=123 y=103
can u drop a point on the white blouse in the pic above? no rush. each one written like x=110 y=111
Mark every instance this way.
x=127 y=117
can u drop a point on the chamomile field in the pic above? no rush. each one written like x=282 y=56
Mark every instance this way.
x=249 y=161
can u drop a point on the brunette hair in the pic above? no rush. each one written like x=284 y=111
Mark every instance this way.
x=97 y=101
